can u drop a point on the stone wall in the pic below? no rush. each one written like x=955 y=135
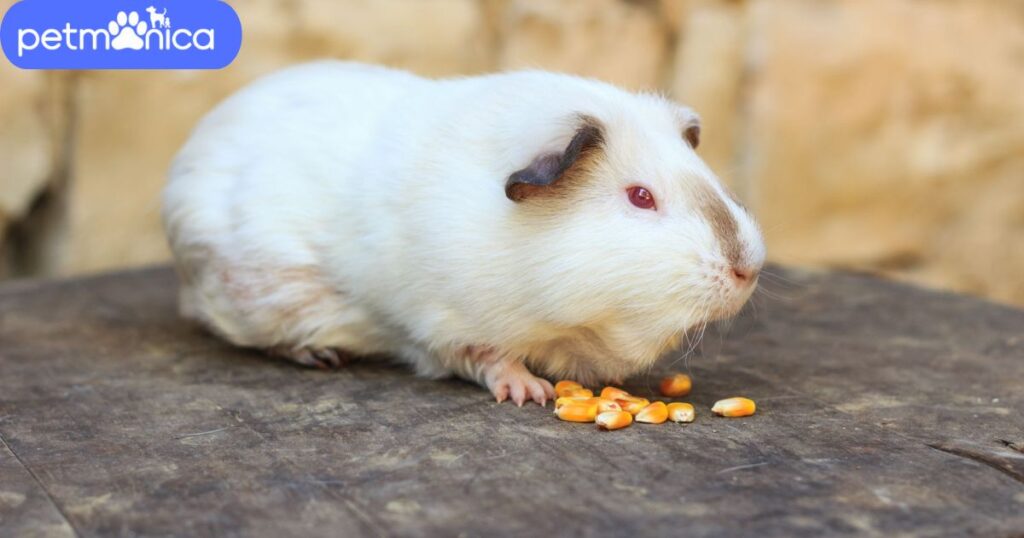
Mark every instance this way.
x=881 y=135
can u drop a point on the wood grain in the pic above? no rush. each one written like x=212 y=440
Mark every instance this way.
x=882 y=409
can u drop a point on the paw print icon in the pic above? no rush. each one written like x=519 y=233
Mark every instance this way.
x=126 y=31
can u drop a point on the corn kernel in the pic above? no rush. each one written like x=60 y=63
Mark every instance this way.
x=632 y=404
x=613 y=420
x=578 y=393
x=570 y=399
x=655 y=413
x=614 y=393
x=676 y=385
x=566 y=385
x=681 y=412
x=734 y=407
x=577 y=412
x=604 y=405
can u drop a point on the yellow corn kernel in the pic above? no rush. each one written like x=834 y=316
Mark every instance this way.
x=632 y=404
x=577 y=412
x=676 y=385
x=566 y=385
x=604 y=405
x=613 y=393
x=734 y=407
x=613 y=420
x=569 y=400
x=681 y=412
x=578 y=393
x=655 y=413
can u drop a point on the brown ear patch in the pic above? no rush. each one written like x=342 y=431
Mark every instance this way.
x=551 y=172
x=692 y=135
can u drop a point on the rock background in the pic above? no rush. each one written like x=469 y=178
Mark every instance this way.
x=880 y=135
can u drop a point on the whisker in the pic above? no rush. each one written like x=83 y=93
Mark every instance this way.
x=774 y=295
x=704 y=310
x=778 y=277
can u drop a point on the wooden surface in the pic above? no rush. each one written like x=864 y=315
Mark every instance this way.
x=883 y=410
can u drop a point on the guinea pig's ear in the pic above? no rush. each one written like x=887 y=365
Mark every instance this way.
x=692 y=133
x=550 y=171
x=690 y=122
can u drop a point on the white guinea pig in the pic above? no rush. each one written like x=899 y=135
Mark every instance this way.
x=496 y=227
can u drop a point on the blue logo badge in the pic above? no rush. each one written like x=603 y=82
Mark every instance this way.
x=121 y=34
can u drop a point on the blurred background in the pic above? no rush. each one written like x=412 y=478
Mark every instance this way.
x=878 y=135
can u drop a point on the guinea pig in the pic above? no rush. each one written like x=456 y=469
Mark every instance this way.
x=504 y=228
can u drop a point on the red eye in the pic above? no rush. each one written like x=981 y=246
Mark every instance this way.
x=641 y=197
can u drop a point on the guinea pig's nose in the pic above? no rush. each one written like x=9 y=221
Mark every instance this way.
x=744 y=275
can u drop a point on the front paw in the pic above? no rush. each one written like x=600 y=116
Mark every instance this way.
x=323 y=358
x=510 y=379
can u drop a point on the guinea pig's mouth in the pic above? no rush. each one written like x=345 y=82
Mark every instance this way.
x=732 y=304
x=723 y=312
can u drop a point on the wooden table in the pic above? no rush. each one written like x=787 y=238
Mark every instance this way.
x=882 y=409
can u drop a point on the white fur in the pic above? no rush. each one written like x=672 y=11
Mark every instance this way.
x=342 y=205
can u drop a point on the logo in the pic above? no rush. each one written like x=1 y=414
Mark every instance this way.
x=121 y=34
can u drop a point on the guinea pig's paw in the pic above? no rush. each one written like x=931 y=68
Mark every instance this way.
x=511 y=379
x=312 y=357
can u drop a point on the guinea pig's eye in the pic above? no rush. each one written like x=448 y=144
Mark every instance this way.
x=641 y=197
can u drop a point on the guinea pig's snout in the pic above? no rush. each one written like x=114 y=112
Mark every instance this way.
x=744 y=275
x=736 y=283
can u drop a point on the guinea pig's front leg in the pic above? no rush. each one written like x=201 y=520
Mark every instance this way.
x=506 y=377
x=313 y=357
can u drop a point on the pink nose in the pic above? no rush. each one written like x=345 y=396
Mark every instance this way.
x=744 y=275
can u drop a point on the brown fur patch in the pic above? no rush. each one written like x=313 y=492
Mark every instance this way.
x=722 y=223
